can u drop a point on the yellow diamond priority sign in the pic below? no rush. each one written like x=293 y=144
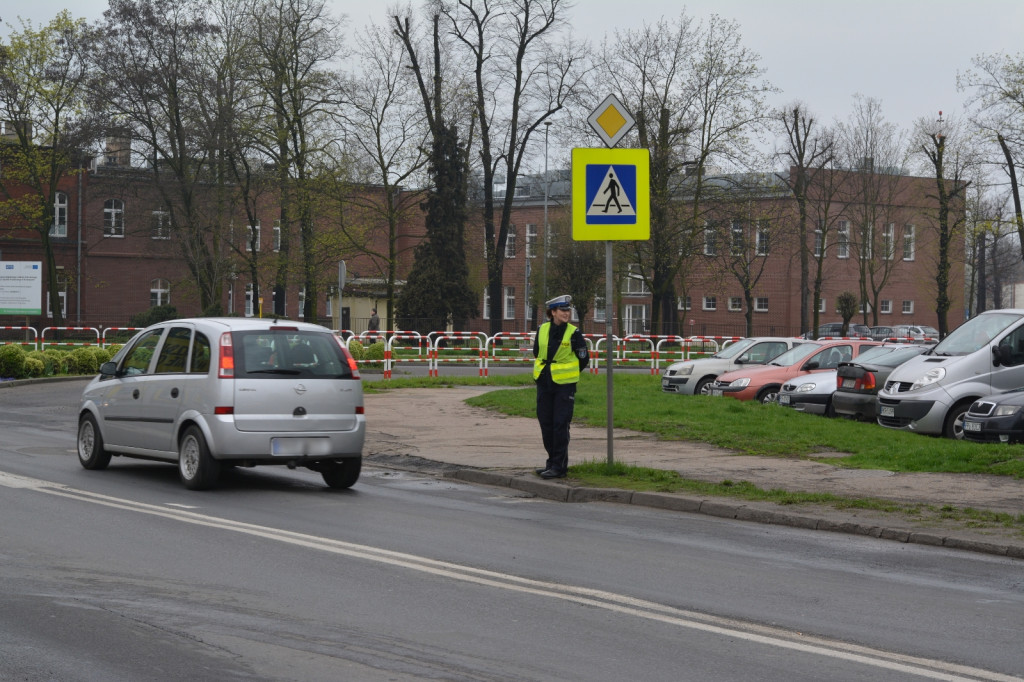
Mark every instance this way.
x=611 y=121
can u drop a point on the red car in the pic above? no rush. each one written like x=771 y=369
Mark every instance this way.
x=763 y=383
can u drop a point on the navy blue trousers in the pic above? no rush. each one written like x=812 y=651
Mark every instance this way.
x=555 y=403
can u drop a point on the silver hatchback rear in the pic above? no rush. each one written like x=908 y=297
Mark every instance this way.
x=214 y=392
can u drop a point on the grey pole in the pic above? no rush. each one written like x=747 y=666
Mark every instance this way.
x=547 y=127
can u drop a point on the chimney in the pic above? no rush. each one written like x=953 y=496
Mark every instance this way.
x=118 y=151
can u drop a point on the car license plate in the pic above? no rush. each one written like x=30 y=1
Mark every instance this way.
x=887 y=411
x=717 y=392
x=849 y=383
x=972 y=426
x=291 y=447
x=783 y=400
x=664 y=383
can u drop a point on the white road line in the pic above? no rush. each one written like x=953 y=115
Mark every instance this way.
x=760 y=634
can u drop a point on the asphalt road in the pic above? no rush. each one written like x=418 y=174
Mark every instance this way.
x=124 y=575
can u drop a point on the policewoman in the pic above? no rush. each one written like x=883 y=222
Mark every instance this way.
x=560 y=354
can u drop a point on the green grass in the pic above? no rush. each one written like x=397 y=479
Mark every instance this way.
x=766 y=430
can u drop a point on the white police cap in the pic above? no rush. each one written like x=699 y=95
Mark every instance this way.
x=560 y=302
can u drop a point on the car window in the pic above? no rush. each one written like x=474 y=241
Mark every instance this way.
x=200 y=354
x=174 y=352
x=831 y=357
x=136 y=361
x=763 y=352
x=975 y=333
x=289 y=353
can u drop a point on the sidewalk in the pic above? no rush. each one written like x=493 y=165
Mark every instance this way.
x=434 y=431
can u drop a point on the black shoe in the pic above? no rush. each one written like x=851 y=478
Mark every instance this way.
x=550 y=473
x=540 y=471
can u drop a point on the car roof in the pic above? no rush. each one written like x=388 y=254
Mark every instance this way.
x=244 y=323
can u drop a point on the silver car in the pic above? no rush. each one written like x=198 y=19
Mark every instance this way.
x=694 y=377
x=213 y=392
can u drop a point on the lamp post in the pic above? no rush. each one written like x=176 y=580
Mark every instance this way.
x=547 y=128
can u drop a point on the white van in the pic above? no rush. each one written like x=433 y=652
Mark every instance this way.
x=930 y=393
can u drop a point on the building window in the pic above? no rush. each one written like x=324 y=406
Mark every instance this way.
x=888 y=240
x=599 y=310
x=762 y=238
x=160 y=225
x=735 y=303
x=252 y=239
x=710 y=303
x=761 y=304
x=819 y=239
x=510 y=303
x=487 y=305
x=302 y=302
x=113 y=218
x=908 y=307
x=683 y=303
x=249 y=303
x=60 y=215
x=710 y=242
x=865 y=307
x=510 y=242
x=823 y=305
x=867 y=242
x=531 y=241
x=159 y=293
x=843 y=245
x=885 y=306
x=62 y=294
x=277 y=236
x=634 y=284
x=908 y=242
x=736 y=247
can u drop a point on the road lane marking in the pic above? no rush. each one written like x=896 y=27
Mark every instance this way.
x=619 y=603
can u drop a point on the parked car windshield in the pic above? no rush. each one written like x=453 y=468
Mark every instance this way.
x=895 y=358
x=875 y=351
x=975 y=333
x=734 y=349
x=795 y=354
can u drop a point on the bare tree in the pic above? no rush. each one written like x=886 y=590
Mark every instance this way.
x=521 y=78
x=43 y=75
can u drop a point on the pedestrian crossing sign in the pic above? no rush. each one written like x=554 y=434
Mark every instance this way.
x=610 y=194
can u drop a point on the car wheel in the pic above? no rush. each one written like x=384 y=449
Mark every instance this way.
x=768 y=395
x=198 y=469
x=703 y=387
x=91 y=453
x=954 y=424
x=341 y=473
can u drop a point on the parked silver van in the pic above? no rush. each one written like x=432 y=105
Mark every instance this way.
x=930 y=393
x=208 y=393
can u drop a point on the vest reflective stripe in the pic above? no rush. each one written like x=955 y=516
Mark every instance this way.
x=565 y=367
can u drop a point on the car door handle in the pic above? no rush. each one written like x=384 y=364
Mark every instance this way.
x=174 y=392
x=135 y=394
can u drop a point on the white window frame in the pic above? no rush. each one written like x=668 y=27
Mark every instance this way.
x=908 y=307
x=843 y=239
x=62 y=294
x=885 y=306
x=159 y=292
x=531 y=240
x=710 y=241
x=510 y=303
x=250 y=232
x=867 y=245
x=710 y=303
x=909 y=242
x=60 y=215
x=636 y=318
x=302 y=301
x=113 y=218
x=762 y=239
x=819 y=239
x=599 y=309
x=735 y=304
x=510 y=242
x=823 y=305
x=486 y=308
x=736 y=238
x=761 y=304
x=160 y=222
x=683 y=303
x=888 y=241
x=276 y=236
x=250 y=303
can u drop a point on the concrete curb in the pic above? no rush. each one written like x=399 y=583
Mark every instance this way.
x=741 y=511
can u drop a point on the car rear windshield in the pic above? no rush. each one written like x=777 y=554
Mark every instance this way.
x=288 y=354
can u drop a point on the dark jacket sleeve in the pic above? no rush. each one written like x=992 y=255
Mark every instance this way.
x=579 y=347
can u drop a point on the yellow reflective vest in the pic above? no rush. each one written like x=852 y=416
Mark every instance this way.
x=565 y=366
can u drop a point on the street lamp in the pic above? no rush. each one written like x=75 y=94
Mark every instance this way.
x=547 y=128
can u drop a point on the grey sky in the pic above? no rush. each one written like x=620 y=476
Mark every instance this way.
x=905 y=53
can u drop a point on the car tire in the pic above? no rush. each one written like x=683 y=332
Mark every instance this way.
x=196 y=466
x=768 y=395
x=91 y=453
x=703 y=387
x=341 y=473
x=953 y=427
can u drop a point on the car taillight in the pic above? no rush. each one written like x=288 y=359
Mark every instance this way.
x=226 y=409
x=352 y=364
x=866 y=382
x=360 y=409
x=226 y=367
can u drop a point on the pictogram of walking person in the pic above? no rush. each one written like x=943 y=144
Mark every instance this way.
x=612 y=190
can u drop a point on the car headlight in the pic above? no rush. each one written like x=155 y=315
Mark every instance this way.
x=1005 y=410
x=742 y=382
x=684 y=370
x=804 y=388
x=932 y=376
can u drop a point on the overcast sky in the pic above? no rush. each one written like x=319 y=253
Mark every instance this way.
x=905 y=53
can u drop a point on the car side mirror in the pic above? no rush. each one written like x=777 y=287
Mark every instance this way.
x=1002 y=355
x=813 y=364
x=742 y=360
x=108 y=369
